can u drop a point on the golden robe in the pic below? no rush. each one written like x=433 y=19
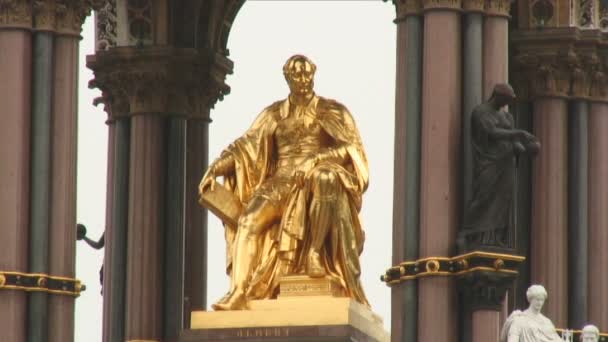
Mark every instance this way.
x=285 y=245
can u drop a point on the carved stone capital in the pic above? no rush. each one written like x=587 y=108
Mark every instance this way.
x=62 y=16
x=159 y=80
x=474 y=5
x=549 y=73
x=455 y=5
x=582 y=74
x=485 y=290
x=498 y=8
x=407 y=7
x=15 y=14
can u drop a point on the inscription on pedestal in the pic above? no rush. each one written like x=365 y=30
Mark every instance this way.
x=306 y=286
x=262 y=332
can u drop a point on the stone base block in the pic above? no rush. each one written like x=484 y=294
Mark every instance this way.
x=297 y=318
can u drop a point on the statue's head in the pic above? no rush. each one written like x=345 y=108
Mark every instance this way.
x=590 y=334
x=536 y=295
x=299 y=73
x=503 y=94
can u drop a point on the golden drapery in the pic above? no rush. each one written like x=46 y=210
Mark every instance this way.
x=285 y=245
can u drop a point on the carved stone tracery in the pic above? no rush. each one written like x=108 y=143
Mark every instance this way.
x=106 y=26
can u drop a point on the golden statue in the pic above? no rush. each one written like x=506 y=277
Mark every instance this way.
x=291 y=196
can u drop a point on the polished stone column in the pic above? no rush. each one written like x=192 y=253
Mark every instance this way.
x=440 y=156
x=404 y=298
x=598 y=215
x=42 y=85
x=578 y=223
x=486 y=326
x=107 y=253
x=174 y=229
x=15 y=135
x=548 y=242
x=144 y=289
x=523 y=120
x=472 y=86
x=116 y=232
x=495 y=45
x=197 y=157
x=62 y=241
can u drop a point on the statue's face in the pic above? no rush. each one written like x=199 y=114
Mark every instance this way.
x=504 y=100
x=537 y=302
x=589 y=337
x=300 y=78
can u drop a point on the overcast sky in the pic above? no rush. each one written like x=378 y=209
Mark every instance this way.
x=353 y=45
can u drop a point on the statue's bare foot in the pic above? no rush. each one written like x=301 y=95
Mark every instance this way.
x=236 y=300
x=315 y=267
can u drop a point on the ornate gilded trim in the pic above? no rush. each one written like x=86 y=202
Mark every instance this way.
x=40 y=282
x=577 y=334
x=456 y=266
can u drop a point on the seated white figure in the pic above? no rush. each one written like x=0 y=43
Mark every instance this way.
x=530 y=325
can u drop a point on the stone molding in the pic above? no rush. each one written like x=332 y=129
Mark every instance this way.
x=159 y=80
x=569 y=63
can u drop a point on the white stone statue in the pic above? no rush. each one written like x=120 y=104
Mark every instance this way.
x=590 y=334
x=530 y=325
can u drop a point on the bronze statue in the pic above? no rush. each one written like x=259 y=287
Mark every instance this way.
x=297 y=176
x=495 y=143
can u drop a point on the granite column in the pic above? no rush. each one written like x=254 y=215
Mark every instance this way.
x=440 y=169
x=15 y=134
x=406 y=205
x=62 y=241
x=548 y=242
x=598 y=214
x=197 y=157
x=40 y=188
x=578 y=223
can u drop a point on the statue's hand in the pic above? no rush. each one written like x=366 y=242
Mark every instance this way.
x=526 y=137
x=300 y=173
x=208 y=182
x=518 y=147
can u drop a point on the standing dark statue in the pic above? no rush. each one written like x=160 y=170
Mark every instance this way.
x=496 y=144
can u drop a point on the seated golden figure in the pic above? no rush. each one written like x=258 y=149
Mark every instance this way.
x=298 y=173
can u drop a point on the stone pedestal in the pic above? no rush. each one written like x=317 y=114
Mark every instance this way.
x=306 y=310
